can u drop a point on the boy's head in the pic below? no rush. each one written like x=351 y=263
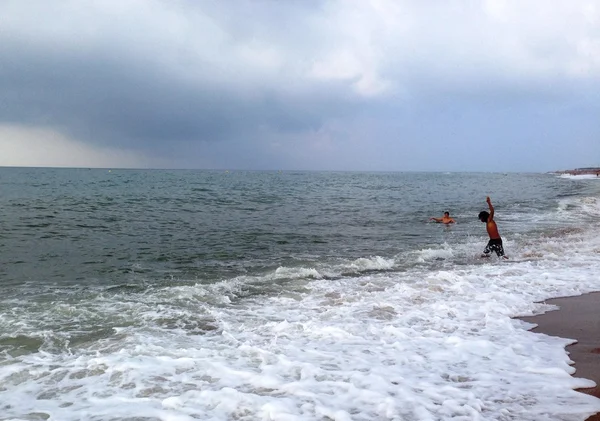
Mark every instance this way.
x=483 y=216
x=447 y=214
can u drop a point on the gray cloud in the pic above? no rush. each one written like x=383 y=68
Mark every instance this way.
x=105 y=100
x=325 y=84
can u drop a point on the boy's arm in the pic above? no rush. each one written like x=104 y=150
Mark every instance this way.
x=489 y=202
x=435 y=219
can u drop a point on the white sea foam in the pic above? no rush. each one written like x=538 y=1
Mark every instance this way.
x=295 y=273
x=435 y=253
x=372 y=263
x=420 y=344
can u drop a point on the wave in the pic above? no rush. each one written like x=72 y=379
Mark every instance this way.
x=378 y=345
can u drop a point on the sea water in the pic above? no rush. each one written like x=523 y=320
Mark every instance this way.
x=231 y=295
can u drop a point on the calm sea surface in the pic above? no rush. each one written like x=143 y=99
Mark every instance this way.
x=215 y=295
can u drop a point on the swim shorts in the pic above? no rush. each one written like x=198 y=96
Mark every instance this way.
x=495 y=244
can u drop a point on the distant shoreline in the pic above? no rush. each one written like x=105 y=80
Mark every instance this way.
x=581 y=171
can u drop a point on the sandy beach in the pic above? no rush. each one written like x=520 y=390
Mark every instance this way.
x=577 y=318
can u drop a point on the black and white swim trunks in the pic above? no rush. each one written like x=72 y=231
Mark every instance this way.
x=495 y=244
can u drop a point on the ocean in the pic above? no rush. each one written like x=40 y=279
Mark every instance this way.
x=147 y=295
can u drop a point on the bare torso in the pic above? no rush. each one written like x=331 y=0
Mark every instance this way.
x=492 y=230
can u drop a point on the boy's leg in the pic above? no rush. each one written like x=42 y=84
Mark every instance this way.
x=499 y=249
x=487 y=250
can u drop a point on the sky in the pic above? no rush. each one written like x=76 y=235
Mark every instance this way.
x=365 y=85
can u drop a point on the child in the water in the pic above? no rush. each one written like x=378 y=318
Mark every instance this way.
x=495 y=243
x=444 y=219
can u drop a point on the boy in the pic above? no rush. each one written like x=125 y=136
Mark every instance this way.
x=445 y=219
x=495 y=243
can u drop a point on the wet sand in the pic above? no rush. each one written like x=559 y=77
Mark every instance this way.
x=578 y=318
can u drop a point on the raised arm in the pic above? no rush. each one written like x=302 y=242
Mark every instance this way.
x=489 y=202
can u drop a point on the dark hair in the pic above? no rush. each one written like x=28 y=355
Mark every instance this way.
x=447 y=213
x=483 y=216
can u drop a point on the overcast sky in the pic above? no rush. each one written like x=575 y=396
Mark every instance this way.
x=497 y=85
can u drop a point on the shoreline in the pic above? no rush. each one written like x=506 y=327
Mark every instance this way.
x=580 y=171
x=577 y=318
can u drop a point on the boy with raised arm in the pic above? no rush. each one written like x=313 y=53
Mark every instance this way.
x=495 y=243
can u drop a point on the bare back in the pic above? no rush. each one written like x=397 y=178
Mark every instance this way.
x=490 y=225
x=492 y=229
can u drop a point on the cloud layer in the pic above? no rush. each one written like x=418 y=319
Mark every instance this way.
x=316 y=84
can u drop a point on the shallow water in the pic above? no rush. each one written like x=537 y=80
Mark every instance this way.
x=213 y=295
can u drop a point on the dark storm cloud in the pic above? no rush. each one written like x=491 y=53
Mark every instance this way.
x=112 y=100
x=340 y=84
